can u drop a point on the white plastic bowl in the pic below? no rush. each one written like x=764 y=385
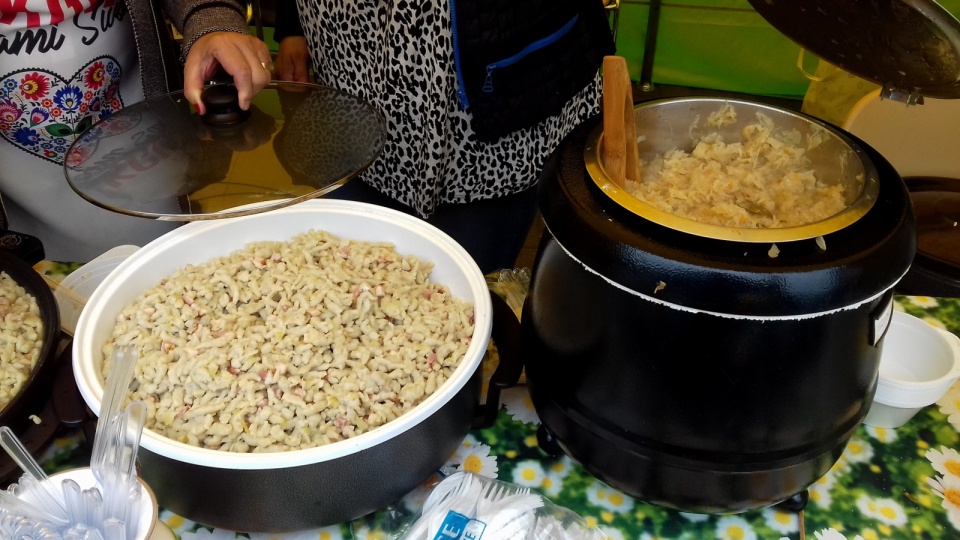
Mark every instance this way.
x=297 y=489
x=918 y=364
x=147 y=509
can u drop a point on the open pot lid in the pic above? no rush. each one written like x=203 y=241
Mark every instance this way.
x=160 y=159
x=909 y=47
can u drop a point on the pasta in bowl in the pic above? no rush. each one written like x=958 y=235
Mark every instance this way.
x=288 y=345
x=344 y=477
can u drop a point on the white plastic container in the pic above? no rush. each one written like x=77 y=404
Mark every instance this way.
x=79 y=285
x=150 y=528
x=919 y=363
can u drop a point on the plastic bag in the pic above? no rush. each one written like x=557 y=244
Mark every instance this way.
x=467 y=506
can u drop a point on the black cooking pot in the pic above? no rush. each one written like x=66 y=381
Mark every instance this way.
x=327 y=484
x=705 y=373
x=36 y=389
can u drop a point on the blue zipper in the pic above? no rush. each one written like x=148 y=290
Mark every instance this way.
x=488 y=82
x=533 y=47
x=461 y=92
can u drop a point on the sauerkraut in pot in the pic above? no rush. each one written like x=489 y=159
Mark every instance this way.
x=763 y=180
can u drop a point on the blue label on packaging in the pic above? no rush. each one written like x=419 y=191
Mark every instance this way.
x=457 y=526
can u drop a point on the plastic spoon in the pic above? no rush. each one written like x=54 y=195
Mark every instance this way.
x=34 y=474
x=117 y=383
x=120 y=460
x=13 y=505
x=73 y=500
x=133 y=429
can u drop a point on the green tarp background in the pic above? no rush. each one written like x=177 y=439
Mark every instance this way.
x=712 y=44
x=718 y=44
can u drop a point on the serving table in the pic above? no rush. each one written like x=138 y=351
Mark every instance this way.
x=885 y=486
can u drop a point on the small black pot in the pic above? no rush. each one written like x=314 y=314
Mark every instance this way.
x=697 y=373
x=36 y=389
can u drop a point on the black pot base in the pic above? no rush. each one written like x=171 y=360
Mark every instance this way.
x=796 y=503
x=696 y=487
x=548 y=443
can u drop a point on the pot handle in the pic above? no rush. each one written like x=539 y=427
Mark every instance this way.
x=68 y=405
x=506 y=337
x=27 y=248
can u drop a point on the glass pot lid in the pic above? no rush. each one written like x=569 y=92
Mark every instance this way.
x=740 y=198
x=160 y=159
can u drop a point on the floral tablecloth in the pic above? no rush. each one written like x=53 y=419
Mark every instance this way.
x=889 y=484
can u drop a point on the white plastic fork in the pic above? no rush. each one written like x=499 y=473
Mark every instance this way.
x=508 y=511
x=449 y=494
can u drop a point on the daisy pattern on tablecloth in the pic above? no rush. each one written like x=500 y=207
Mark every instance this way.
x=886 y=511
x=858 y=451
x=832 y=534
x=949 y=404
x=840 y=468
x=947 y=487
x=611 y=534
x=735 y=528
x=207 y=534
x=529 y=473
x=780 y=521
x=556 y=473
x=177 y=523
x=327 y=533
x=934 y=323
x=883 y=435
x=608 y=498
x=474 y=456
x=925 y=302
x=819 y=491
x=364 y=532
x=519 y=406
x=694 y=518
x=945 y=461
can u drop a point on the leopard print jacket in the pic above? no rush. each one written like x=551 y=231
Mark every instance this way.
x=398 y=55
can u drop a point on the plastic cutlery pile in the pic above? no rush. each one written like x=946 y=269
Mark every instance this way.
x=106 y=511
x=465 y=505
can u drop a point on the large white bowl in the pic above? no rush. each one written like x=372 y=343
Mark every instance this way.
x=200 y=241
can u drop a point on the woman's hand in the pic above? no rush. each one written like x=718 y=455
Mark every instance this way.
x=243 y=56
x=292 y=59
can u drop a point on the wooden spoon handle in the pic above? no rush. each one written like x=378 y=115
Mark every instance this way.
x=619 y=148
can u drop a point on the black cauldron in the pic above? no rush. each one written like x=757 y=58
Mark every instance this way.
x=704 y=374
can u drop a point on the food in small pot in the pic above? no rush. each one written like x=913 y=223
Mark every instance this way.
x=21 y=337
x=763 y=180
x=291 y=345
